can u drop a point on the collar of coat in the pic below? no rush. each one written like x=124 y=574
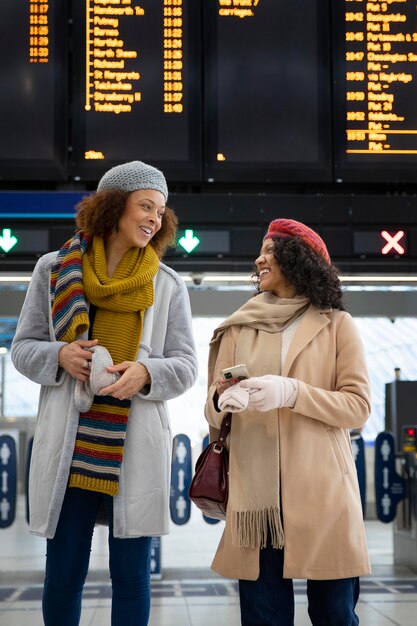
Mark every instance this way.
x=312 y=322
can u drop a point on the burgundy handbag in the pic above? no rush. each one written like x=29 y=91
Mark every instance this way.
x=209 y=488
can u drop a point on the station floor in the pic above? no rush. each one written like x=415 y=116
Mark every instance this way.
x=189 y=593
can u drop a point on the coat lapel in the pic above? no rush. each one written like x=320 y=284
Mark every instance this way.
x=312 y=323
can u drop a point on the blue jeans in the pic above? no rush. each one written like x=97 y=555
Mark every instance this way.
x=67 y=560
x=269 y=601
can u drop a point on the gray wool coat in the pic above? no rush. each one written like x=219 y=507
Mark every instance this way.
x=167 y=349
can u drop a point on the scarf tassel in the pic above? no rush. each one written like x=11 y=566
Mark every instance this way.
x=250 y=528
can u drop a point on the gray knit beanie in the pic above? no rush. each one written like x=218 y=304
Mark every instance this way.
x=133 y=176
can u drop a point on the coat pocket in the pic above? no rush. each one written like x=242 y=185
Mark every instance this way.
x=337 y=445
x=163 y=415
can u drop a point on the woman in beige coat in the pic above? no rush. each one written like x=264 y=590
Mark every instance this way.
x=294 y=507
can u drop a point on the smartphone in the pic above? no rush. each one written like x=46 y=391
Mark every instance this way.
x=236 y=372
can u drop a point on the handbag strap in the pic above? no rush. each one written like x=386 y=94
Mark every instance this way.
x=224 y=431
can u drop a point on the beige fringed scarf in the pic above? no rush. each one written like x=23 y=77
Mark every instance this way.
x=254 y=487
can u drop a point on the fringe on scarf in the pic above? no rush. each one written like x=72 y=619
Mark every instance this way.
x=250 y=528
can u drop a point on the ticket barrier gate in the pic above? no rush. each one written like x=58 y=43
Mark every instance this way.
x=405 y=523
x=396 y=492
x=401 y=421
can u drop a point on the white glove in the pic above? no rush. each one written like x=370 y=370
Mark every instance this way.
x=270 y=392
x=234 y=399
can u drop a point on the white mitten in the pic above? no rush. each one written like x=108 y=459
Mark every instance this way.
x=234 y=399
x=84 y=392
x=270 y=392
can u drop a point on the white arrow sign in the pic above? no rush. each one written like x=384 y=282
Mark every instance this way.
x=385 y=450
x=181 y=475
x=385 y=478
x=5 y=453
x=4 y=481
x=181 y=452
x=4 y=509
x=181 y=506
x=386 y=504
x=189 y=241
x=7 y=240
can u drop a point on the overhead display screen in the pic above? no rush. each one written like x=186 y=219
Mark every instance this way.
x=33 y=93
x=210 y=91
x=137 y=86
x=375 y=90
x=267 y=69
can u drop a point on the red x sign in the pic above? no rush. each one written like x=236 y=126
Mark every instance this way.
x=393 y=242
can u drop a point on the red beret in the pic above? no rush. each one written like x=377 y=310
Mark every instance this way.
x=291 y=228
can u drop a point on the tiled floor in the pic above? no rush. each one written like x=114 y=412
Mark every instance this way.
x=189 y=594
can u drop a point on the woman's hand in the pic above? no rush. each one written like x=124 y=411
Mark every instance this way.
x=75 y=358
x=270 y=392
x=133 y=377
x=222 y=385
x=234 y=399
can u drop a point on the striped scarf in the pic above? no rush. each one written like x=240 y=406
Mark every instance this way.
x=121 y=302
x=69 y=308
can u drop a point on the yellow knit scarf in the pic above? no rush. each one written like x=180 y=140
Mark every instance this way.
x=121 y=302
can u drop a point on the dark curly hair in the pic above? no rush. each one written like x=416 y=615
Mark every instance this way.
x=308 y=272
x=99 y=214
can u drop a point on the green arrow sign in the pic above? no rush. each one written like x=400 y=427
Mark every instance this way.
x=7 y=240
x=189 y=241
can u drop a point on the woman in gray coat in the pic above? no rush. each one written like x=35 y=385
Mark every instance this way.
x=106 y=331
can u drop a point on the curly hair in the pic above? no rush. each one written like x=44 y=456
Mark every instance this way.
x=99 y=214
x=308 y=272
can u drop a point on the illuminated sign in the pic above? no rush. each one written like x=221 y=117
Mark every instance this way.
x=7 y=240
x=39 y=23
x=409 y=439
x=19 y=241
x=188 y=241
x=381 y=63
x=393 y=242
x=376 y=96
x=380 y=243
x=136 y=91
x=113 y=85
x=33 y=103
x=216 y=242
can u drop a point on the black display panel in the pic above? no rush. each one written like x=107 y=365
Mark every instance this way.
x=375 y=77
x=137 y=85
x=33 y=93
x=380 y=242
x=267 y=93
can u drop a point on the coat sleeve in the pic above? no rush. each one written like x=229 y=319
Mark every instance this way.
x=176 y=372
x=348 y=404
x=222 y=354
x=33 y=353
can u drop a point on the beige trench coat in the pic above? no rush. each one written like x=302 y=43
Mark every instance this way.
x=321 y=506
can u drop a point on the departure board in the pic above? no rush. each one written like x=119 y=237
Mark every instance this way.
x=267 y=95
x=137 y=85
x=33 y=91
x=376 y=90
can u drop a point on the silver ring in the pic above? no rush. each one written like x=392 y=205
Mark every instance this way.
x=85 y=364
